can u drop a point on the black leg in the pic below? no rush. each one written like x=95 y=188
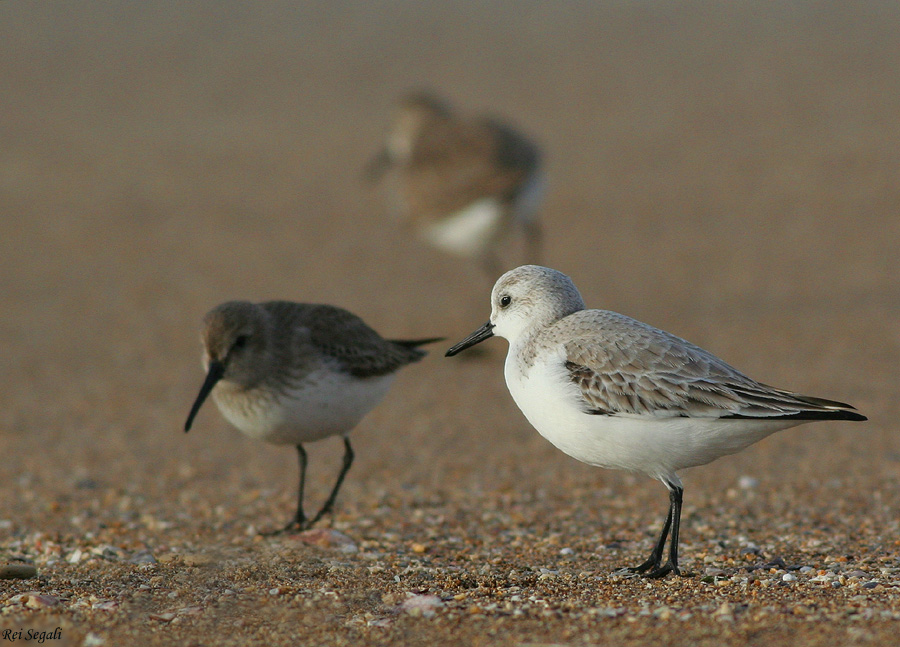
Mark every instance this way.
x=299 y=522
x=671 y=566
x=655 y=558
x=329 y=504
x=300 y=516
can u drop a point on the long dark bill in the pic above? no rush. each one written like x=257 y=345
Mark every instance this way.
x=214 y=374
x=487 y=330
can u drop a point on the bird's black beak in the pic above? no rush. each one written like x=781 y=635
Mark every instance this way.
x=487 y=330
x=214 y=374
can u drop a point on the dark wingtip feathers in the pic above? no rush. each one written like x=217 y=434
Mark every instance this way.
x=828 y=410
x=415 y=343
x=838 y=414
x=848 y=415
x=411 y=346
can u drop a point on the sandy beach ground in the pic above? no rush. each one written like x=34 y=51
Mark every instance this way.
x=729 y=172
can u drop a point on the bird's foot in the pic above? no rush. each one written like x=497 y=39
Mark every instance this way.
x=652 y=564
x=295 y=525
x=326 y=509
x=661 y=571
x=651 y=569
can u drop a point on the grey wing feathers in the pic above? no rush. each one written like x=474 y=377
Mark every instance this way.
x=413 y=344
x=639 y=370
x=346 y=338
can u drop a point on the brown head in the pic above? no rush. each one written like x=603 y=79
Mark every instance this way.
x=416 y=113
x=235 y=341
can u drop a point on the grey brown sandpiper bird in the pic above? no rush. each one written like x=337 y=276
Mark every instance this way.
x=462 y=183
x=292 y=373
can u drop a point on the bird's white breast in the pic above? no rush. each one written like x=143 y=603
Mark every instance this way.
x=469 y=231
x=656 y=446
x=325 y=403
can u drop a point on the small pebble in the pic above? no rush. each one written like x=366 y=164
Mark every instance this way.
x=142 y=557
x=789 y=577
x=93 y=640
x=423 y=605
x=196 y=559
x=39 y=601
x=17 y=571
x=663 y=613
x=164 y=617
x=107 y=552
x=105 y=605
x=725 y=612
x=328 y=538
x=750 y=547
x=748 y=482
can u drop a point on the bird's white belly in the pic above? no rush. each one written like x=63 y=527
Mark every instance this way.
x=326 y=403
x=469 y=231
x=658 y=447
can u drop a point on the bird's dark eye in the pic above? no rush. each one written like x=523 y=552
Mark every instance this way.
x=505 y=301
x=239 y=343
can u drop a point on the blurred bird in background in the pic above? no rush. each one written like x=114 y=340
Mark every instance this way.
x=463 y=184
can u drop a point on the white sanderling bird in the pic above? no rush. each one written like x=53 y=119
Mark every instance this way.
x=462 y=183
x=614 y=392
x=293 y=373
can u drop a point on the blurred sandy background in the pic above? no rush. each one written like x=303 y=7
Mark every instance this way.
x=729 y=172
